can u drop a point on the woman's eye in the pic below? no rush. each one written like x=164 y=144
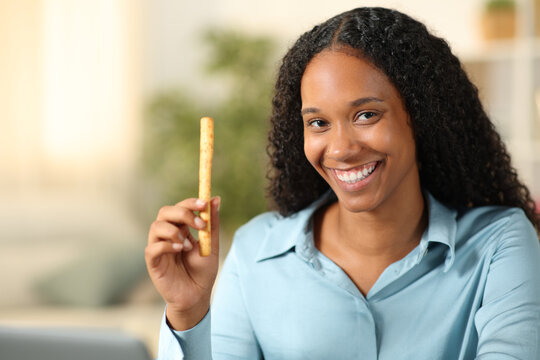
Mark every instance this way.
x=318 y=123
x=367 y=116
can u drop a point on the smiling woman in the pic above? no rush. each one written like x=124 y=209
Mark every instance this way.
x=401 y=230
x=358 y=124
x=358 y=137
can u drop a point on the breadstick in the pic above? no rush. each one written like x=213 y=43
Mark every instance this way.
x=205 y=175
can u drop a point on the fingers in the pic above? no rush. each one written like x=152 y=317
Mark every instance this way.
x=183 y=213
x=166 y=238
x=153 y=252
x=163 y=230
x=187 y=242
x=181 y=216
x=172 y=226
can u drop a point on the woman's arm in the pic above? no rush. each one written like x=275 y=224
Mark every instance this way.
x=233 y=336
x=508 y=322
x=227 y=325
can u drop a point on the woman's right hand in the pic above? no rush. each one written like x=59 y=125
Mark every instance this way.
x=181 y=276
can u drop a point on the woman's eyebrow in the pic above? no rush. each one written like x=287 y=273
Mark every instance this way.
x=310 y=110
x=365 y=100
x=357 y=102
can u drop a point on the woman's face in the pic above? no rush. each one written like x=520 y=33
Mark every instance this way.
x=356 y=132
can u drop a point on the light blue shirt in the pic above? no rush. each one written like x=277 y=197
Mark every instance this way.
x=469 y=290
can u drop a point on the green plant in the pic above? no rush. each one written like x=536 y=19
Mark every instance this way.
x=498 y=5
x=171 y=130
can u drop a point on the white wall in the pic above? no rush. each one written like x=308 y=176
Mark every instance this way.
x=174 y=51
x=69 y=120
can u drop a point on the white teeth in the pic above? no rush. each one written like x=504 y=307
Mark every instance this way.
x=352 y=177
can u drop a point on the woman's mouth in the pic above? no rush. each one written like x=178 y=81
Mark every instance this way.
x=356 y=174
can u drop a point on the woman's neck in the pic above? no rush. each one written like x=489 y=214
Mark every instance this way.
x=387 y=233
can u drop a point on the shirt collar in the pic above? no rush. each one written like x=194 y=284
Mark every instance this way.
x=441 y=228
x=292 y=231
x=295 y=231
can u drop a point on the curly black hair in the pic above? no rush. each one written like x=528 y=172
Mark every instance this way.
x=462 y=159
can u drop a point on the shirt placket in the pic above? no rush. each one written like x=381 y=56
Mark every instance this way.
x=330 y=272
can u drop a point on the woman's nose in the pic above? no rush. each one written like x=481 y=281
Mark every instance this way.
x=342 y=143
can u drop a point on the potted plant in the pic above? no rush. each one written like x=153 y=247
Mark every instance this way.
x=499 y=19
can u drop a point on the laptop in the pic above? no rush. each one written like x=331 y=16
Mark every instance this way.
x=18 y=343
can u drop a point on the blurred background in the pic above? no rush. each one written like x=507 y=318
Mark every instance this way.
x=100 y=102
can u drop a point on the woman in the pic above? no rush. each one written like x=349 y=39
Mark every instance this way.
x=403 y=231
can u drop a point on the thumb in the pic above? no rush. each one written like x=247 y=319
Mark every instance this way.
x=214 y=209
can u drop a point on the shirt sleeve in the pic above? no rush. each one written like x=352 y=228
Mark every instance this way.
x=232 y=332
x=508 y=322
x=224 y=333
x=189 y=344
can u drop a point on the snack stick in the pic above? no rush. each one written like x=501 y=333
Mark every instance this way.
x=205 y=175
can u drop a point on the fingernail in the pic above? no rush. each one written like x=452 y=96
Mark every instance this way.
x=177 y=246
x=200 y=223
x=218 y=202
x=181 y=237
x=187 y=245
x=200 y=202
